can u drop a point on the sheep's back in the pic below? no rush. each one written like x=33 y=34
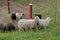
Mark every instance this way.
x=26 y=22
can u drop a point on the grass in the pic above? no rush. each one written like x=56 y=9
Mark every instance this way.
x=44 y=7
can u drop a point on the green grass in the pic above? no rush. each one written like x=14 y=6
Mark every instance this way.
x=44 y=7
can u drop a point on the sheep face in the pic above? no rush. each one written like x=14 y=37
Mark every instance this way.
x=37 y=20
x=13 y=16
x=19 y=15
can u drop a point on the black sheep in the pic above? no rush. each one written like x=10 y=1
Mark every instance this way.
x=10 y=26
x=7 y=27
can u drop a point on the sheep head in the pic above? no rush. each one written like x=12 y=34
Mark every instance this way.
x=19 y=15
x=36 y=19
x=48 y=19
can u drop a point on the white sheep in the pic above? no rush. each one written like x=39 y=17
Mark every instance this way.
x=19 y=15
x=44 y=22
x=25 y=24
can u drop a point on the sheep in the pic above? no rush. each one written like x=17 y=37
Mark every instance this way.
x=7 y=27
x=25 y=24
x=44 y=22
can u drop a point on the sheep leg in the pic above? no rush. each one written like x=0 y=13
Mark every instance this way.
x=36 y=28
x=33 y=28
x=21 y=29
x=24 y=29
x=4 y=29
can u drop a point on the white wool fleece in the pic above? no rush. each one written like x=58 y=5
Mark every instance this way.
x=27 y=23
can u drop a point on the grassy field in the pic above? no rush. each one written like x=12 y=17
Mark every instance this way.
x=44 y=7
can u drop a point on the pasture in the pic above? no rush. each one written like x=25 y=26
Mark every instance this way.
x=44 y=7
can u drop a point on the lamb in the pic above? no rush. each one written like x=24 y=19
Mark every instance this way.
x=44 y=22
x=25 y=24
